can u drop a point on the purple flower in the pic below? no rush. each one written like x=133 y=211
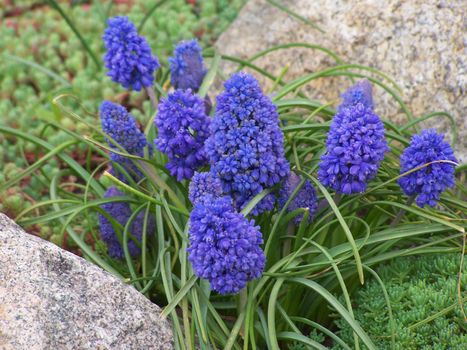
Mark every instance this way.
x=183 y=128
x=121 y=212
x=358 y=93
x=122 y=128
x=224 y=245
x=429 y=182
x=203 y=184
x=355 y=148
x=305 y=197
x=187 y=67
x=128 y=57
x=246 y=146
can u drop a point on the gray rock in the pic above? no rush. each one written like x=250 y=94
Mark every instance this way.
x=52 y=299
x=421 y=44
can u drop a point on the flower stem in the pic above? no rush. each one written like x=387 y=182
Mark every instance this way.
x=152 y=96
x=288 y=240
x=241 y=306
x=401 y=213
x=337 y=198
x=323 y=204
x=242 y=299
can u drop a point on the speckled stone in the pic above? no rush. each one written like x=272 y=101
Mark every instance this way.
x=419 y=43
x=52 y=299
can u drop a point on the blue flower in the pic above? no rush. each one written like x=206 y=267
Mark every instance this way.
x=203 y=184
x=187 y=67
x=355 y=148
x=224 y=245
x=121 y=212
x=246 y=146
x=183 y=128
x=122 y=128
x=128 y=57
x=358 y=93
x=429 y=182
x=305 y=197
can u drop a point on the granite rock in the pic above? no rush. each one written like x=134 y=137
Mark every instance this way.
x=52 y=299
x=419 y=43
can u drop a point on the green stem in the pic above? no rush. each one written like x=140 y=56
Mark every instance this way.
x=152 y=97
x=241 y=306
x=242 y=300
x=324 y=203
x=288 y=241
x=296 y=15
x=149 y=14
x=337 y=198
x=401 y=213
x=62 y=13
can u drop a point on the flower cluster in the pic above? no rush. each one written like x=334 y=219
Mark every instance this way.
x=305 y=197
x=128 y=57
x=183 y=128
x=246 y=148
x=120 y=212
x=122 y=129
x=358 y=93
x=224 y=245
x=355 y=148
x=429 y=182
x=187 y=67
x=203 y=184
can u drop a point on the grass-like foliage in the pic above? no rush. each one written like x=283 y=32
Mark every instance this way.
x=311 y=265
x=53 y=47
x=424 y=305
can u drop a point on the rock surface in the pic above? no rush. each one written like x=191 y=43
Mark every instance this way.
x=419 y=43
x=52 y=299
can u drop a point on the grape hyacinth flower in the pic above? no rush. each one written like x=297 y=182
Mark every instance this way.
x=122 y=128
x=128 y=58
x=246 y=146
x=224 y=245
x=121 y=212
x=305 y=197
x=183 y=128
x=429 y=182
x=355 y=147
x=187 y=68
x=202 y=184
x=360 y=92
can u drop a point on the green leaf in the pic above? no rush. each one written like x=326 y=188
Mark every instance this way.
x=72 y=26
x=80 y=171
x=149 y=14
x=344 y=225
x=210 y=76
x=30 y=169
x=301 y=339
x=37 y=66
x=338 y=307
x=179 y=296
x=296 y=15
x=255 y=200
